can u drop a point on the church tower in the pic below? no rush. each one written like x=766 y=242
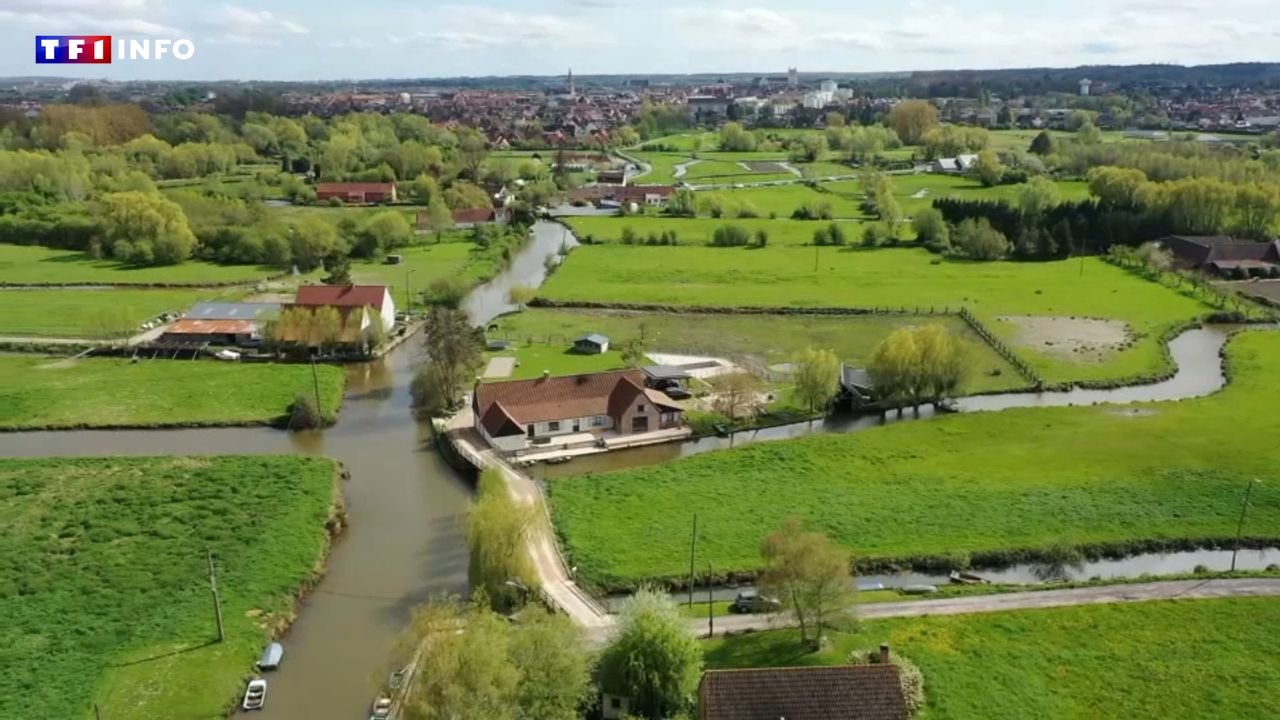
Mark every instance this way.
x=571 y=90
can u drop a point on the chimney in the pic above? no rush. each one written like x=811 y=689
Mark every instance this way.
x=884 y=653
x=546 y=374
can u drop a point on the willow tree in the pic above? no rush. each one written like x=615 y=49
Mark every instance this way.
x=811 y=576
x=916 y=363
x=816 y=376
x=497 y=533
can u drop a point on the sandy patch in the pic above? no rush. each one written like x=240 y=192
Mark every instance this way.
x=921 y=193
x=500 y=367
x=1078 y=339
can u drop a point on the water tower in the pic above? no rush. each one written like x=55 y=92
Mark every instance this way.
x=1084 y=86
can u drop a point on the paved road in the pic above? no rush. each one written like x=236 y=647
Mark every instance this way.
x=1100 y=595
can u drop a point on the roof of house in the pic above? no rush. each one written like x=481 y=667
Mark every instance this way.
x=211 y=327
x=557 y=398
x=844 y=692
x=354 y=187
x=341 y=295
x=1205 y=249
x=640 y=192
x=595 y=338
x=474 y=215
x=232 y=311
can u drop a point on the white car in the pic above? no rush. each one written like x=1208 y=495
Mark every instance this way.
x=255 y=696
x=381 y=709
x=227 y=355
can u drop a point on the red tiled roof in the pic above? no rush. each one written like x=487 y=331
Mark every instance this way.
x=475 y=215
x=845 y=692
x=557 y=398
x=499 y=423
x=640 y=192
x=359 y=187
x=341 y=295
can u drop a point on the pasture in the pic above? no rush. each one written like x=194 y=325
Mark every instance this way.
x=698 y=231
x=981 y=484
x=91 y=313
x=1206 y=656
x=422 y=265
x=37 y=265
x=44 y=392
x=104 y=589
x=784 y=276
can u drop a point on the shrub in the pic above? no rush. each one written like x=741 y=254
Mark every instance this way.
x=303 y=414
x=730 y=236
x=335 y=202
x=871 y=236
x=836 y=234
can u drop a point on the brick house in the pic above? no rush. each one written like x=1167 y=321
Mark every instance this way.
x=360 y=193
x=515 y=415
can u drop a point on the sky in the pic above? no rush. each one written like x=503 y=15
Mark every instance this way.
x=353 y=39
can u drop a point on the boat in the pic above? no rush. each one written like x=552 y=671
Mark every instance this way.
x=919 y=589
x=271 y=657
x=721 y=429
x=381 y=709
x=947 y=406
x=558 y=459
x=255 y=695
x=397 y=678
x=964 y=578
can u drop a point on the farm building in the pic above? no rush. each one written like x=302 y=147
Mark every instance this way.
x=361 y=193
x=348 y=297
x=473 y=217
x=957 y=165
x=591 y=344
x=516 y=415
x=221 y=324
x=1224 y=255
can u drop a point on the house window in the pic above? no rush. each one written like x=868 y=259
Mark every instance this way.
x=597 y=421
x=553 y=426
x=615 y=703
x=640 y=408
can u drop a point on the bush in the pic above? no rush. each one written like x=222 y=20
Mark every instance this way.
x=303 y=414
x=871 y=236
x=335 y=202
x=730 y=236
x=835 y=233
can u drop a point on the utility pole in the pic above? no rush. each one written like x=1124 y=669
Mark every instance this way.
x=711 y=619
x=315 y=382
x=815 y=257
x=1244 y=506
x=213 y=588
x=693 y=546
x=408 y=294
x=97 y=714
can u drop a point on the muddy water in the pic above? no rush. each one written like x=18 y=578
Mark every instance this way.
x=404 y=541
x=1196 y=353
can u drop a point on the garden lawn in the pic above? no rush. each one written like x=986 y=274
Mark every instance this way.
x=1142 y=661
x=44 y=392
x=72 y=313
x=425 y=264
x=885 y=278
x=698 y=231
x=104 y=588
x=558 y=359
x=753 y=341
x=36 y=265
x=986 y=484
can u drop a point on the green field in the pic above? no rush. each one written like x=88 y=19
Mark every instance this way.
x=36 y=265
x=43 y=392
x=1145 y=661
x=782 y=200
x=71 y=313
x=425 y=264
x=918 y=191
x=888 y=278
x=558 y=359
x=753 y=341
x=104 y=590
x=970 y=483
x=698 y=231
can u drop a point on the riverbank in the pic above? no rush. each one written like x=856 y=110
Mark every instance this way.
x=46 y=393
x=1017 y=485
x=118 y=546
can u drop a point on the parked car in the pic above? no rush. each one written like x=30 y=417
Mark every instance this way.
x=227 y=355
x=676 y=392
x=381 y=709
x=255 y=696
x=271 y=657
x=751 y=601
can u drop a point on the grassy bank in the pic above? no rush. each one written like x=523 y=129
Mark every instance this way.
x=986 y=484
x=104 y=592
x=84 y=313
x=892 y=278
x=45 y=392
x=1155 y=660
x=36 y=265
x=754 y=341
x=698 y=231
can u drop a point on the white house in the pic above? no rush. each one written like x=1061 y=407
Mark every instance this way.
x=347 y=297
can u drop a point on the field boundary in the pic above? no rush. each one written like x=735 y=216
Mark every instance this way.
x=1001 y=349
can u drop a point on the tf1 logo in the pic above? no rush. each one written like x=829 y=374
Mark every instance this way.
x=96 y=49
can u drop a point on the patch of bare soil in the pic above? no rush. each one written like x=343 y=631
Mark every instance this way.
x=1070 y=338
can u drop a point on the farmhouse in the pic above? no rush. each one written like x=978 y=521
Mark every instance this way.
x=472 y=218
x=1224 y=255
x=611 y=177
x=518 y=414
x=347 y=298
x=362 y=193
x=845 y=692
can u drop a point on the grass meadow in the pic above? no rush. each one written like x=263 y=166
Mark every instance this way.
x=974 y=483
x=44 y=392
x=887 y=278
x=36 y=265
x=753 y=341
x=71 y=313
x=425 y=264
x=1142 y=661
x=698 y=231
x=104 y=589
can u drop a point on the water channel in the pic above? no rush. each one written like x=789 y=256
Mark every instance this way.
x=404 y=541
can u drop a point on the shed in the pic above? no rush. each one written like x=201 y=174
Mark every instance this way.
x=661 y=376
x=591 y=344
x=856 y=388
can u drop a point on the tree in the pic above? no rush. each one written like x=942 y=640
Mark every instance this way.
x=424 y=189
x=911 y=119
x=944 y=360
x=1257 y=208
x=145 y=229
x=913 y=363
x=976 y=239
x=303 y=414
x=497 y=531
x=888 y=210
x=931 y=228
x=816 y=375
x=555 y=665
x=311 y=241
x=385 y=231
x=337 y=268
x=439 y=217
x=376 y=333
x=521 y=295
x=834 y=120
x=1042 y=144
x=453 y=355
x=988 y=168
x=652 y=659
x=683 y=204
x=733 y=138
x=761 y=237
x=735 y=395
x=1117 y=187
x=1036 y=197
x=465 y=669
x=811 y=577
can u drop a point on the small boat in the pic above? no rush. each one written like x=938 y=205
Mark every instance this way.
x=397 y=678
x=558 y=459
x=271 y=657
x=255 y=695
x=964 y=578
x=919 y=589
x=947 y=406
x=381 y=709
x=721 y=429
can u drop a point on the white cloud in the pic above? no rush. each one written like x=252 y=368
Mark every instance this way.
x=242 y=26
x=53 y=16
x=472 y=28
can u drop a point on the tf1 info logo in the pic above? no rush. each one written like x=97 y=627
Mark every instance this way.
x=96 y=49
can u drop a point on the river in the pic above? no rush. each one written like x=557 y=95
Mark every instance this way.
x=405 y=506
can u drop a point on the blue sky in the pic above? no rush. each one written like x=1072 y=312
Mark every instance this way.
x=318 y=39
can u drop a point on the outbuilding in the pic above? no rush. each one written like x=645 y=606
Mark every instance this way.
x=591 y=344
